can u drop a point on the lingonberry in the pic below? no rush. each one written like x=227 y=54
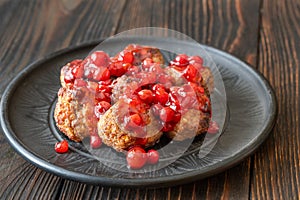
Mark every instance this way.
x=181 y=60
x=78 y=71
x=62 y=147
x=101 y=107
x=100 y=59
x=146 y=96
x=128 y=57
x=166 y=114
x=153 y=156
x=102 y=96
x=95 y=141
x=192 y=74
x=103 y=88
x=134 y=120
x=101 y=74
x=195 y=59
x=168 y=127
x=136 y=157
x=141 y=141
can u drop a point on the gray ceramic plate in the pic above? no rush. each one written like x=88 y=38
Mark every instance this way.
x=27 y=122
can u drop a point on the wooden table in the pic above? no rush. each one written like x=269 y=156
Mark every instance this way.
x=264 y=33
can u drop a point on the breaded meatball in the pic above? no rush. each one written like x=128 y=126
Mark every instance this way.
x=112 y=133
x=192 y=123
x=74 y=113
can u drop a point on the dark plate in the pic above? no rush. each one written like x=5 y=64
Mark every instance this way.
x=27 y=122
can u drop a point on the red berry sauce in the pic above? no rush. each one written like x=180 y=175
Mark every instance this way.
x=149 y=89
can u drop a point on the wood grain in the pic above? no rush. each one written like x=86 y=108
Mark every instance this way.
x=30 y=30
x=276 y=173
x=228 y=25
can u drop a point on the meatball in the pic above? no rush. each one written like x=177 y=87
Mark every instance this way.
x=74 y=114
x=192 y=123
x=113 y=134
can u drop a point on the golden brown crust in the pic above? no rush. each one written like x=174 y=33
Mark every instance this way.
x=192 y=123
x=207 y=79
x=113 y=135
x=64 y=114
x=73 y=117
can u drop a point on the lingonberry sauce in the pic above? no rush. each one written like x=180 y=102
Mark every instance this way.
x=149 y=89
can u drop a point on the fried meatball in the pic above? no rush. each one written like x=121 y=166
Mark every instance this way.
x=74 y=113
x=112 y=133
x=192 y=123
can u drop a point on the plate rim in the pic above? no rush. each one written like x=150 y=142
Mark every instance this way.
x=178 y=179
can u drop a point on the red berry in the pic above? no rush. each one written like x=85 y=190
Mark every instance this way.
x=146 y=96
x=100 y=59
x=192 y=74
x=153 y=156
x=78 y=71
x=174 y=102
x=118 y=68
x=62 y=147
x=136 y=157
x=107 y=82
x=69 y=78
x=80 y=83
x=161 y=97
x=182 y=60
x=168 y=127
x=137 y=106
x=102 y=96
x=101 y=74
x=103 y=88
x=141 y=141
x=166 y=114
x=128 y=57
x=101 y=107
x=135 y=120
x=68 y=71
x=195 y=59
x=200 y=90
x=95 y=141
x=213 y=127
x=176 y=117
x=157 y=87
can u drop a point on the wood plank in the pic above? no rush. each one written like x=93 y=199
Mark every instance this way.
x=41 y=28
x=223 y=24
x=277 y=164
x=30 y=30
x=228 y=25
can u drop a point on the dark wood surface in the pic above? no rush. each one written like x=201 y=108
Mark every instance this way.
x=264 y=33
